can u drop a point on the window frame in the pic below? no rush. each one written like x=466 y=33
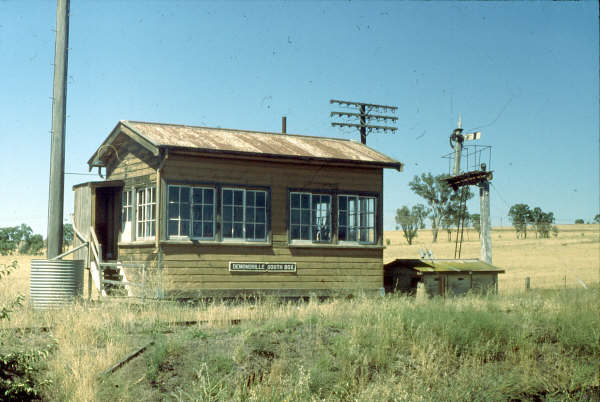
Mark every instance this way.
x=359 y=213
x=145 y=205
x=244 y=206
x=130 y=207
x=311 y=224
x=190 y=218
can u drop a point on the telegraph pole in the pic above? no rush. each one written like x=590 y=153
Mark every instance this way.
x=365 y=117
x=57 y=150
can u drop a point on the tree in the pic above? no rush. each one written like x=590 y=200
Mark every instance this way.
x=67 y=234
x=7 y=242
x=520 y=215
x=411 y=220
x=439 y=197
x=33 y=246
x=542 y=222
x=476 y=223
x=579 y=221
x=597 y=218
x=454 y=213
x=13 y=237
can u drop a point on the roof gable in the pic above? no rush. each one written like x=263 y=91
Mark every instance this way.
x=156 y=136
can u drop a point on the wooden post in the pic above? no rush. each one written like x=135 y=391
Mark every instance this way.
x=527 y=284
x=57 y=149
x=89 y=268
x=363 y=124
x=485 y=221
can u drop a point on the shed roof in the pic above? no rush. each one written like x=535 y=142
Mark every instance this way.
x=156 y=136
x=443 y=265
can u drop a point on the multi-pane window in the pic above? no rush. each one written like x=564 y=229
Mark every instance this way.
x=356 y=219
x=191 y=212
x=244 y=214
x=366 y=220
x=126 y=215
x=146 y=213
x=203 y=213
x=310 y=217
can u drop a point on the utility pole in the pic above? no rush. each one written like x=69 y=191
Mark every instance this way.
x=57 y=150
x=365 y=117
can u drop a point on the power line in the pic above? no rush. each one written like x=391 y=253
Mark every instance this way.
x=498 y=193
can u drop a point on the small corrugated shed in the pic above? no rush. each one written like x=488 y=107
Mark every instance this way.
x=157 y=137
x=441 y=276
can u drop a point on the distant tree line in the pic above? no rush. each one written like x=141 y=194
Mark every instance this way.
x=22 y=239
x=446 y=208
x=522 y=217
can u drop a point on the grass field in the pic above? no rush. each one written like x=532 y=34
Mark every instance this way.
x=550 y=263
x=538 y=345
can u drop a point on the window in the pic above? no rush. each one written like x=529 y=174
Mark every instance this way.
x=244 y=214
x=356 y=219
x=146 y=213
x=126 y=215
x=310 y=217
x=191 y=212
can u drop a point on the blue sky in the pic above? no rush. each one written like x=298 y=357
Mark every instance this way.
x=524 y=73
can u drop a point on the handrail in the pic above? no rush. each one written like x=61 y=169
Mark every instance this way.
x=78 y=233
x=96 y=269
x=58 y=257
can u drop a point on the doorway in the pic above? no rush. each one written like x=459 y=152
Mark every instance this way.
x=107 y=220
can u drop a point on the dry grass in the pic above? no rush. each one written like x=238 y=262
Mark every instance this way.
x=574 y=254
x=362 y=349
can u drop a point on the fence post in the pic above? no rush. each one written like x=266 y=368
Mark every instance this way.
x=527 y=283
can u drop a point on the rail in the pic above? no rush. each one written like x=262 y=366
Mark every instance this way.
x=96 y=265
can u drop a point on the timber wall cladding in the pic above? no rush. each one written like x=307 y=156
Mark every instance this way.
x=206 y=266
x=133 y=164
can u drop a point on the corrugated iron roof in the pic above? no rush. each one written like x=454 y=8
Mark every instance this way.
x=443 y=265
x=255 y=143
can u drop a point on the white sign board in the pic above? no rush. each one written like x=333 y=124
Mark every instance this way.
x=262 y=266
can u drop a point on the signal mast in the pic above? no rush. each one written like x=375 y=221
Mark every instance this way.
x=473 y=175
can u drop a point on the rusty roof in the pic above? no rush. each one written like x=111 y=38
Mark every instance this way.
x=443 y=265
x=155 y=136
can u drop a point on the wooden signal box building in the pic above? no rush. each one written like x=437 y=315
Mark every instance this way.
x=222 y=213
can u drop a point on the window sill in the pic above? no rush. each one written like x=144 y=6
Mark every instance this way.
x=337 y=246
x=215 y=243
x=142 y=243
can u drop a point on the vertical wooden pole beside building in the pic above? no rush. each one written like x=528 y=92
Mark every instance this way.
x=485 y=221
x=57 y=151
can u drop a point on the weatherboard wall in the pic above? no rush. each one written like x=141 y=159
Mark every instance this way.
x=196 y=269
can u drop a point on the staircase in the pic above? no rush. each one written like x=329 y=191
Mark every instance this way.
x=108 y=276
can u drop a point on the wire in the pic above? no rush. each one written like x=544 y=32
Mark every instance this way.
x=498 y=192
x=80 y=174
x=497 y=117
